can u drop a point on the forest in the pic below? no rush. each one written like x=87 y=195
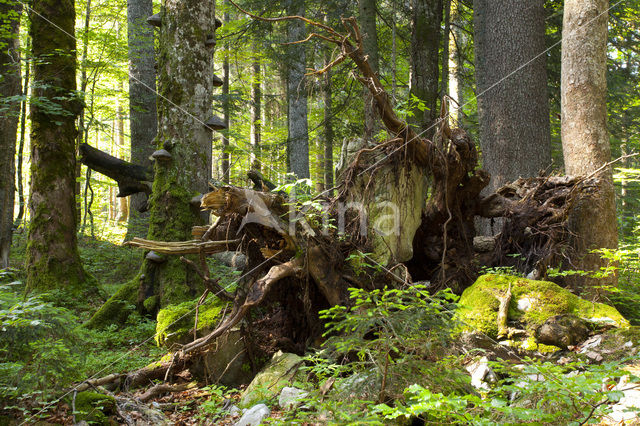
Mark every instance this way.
x=382 y=212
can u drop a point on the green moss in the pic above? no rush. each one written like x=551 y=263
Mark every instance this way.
x=267 y=384
x=175 y=322
x=530 y=344
x=479 y=304
x=116 y=310
x=150 y=303
x=95 y=408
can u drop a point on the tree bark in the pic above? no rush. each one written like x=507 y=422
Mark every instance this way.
x=225 y=102
x=426 y=16
x=9 y=87
x=328 y=132
x=297 y=94
x=23 y=132
x=142 y=103
x=52 y=252
x=185 y=83
x=511 y=78
x=367 y=22
x=256 y=108
x=585 y=139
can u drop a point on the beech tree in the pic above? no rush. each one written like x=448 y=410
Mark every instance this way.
x=9 y=113
x=585 y=139
x=182 y=157
x=52 y=252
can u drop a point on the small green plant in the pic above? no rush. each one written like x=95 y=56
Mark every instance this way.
x=213 y=409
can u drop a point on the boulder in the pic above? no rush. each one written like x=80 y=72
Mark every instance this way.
x=290 y=397
x=254 y=415
x=268 y=383
x=95 y=408
x=532 y=304
x=562 y=331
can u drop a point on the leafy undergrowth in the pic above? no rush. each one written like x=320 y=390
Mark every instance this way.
x=43 y=346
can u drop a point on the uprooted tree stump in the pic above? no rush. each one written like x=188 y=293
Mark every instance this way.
x=405 y=208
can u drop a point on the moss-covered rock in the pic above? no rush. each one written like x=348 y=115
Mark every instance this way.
x=175 y=322
x=532 y=303
x=272 y=379
x=95 y=408
x=117 y=309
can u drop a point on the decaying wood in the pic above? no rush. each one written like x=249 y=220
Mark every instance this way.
x=161 y=388
x=131 y=178
x=503 y=313
x=183 y=247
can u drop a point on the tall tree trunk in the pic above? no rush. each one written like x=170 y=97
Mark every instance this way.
x=225 y=101
x=328 y=131
x=256 y=108
x=122 y=202
x=426 y=16
x=82 y=128
x=455 y=64
x=9 y=87
x=185 y=84
x=444 y=81
x=52 y=251
x=513 y=104
x=142 y=103
x=297 y=94
x=367 y=22
x=23 y=133
x=585 y=139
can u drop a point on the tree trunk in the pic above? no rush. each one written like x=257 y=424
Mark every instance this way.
x=23 y=133
x=367 y=21
x=83 y=129
x=9 y=86
x=328 y=132
x=585 y=139
x=426 y=16
x=185 y=84
x=52 y=252
x=256 y=108
x=455 y=64
x=297 y=94
x=513 y=104
x=225 y=101
x=142 y=103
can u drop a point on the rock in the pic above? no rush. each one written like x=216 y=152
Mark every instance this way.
x=363 y=386
x=484 y=244
x=234 y=411
x=481 y=373
x=137 y=413
x=95 y=408
x=290 y=397
x=562 y=331
x=479 y=306
x=269 y=382
x=229 y=363
x=254 y=415
x=626 y=410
